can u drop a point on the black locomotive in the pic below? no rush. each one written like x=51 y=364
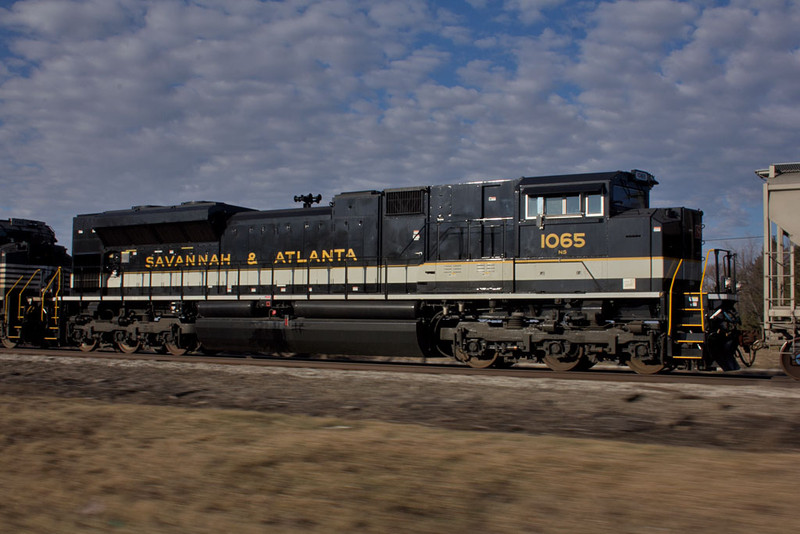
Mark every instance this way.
x=569 y=270
x=33 y=274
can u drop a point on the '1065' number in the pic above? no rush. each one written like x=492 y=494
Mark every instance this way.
x=566 y=240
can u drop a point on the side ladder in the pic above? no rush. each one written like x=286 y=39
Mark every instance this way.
x=51 y=320
x=687 y=315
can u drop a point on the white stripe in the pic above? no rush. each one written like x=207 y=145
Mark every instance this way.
x=392 y=296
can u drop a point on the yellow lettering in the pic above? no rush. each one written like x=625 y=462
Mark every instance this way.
x=225 y=259
x=149 y=262
x=190 y=259
x=159 y=261
x=316 y=256
x=564 y=241
x=202 y=259
x=214 y=260
x=251 y=258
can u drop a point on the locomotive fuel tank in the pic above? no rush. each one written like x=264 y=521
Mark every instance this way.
x=356 y=327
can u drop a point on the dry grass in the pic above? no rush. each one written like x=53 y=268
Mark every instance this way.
x=83 y=466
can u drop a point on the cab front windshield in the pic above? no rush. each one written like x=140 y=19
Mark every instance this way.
x=628 y=197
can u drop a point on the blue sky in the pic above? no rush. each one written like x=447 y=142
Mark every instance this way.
x=105 y=104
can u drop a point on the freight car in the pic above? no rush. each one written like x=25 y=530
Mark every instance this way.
x=781 y=237
x=33 y=273
x=568 y=270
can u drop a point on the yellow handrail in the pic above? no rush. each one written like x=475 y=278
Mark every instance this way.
x=705 y=266
x=57 y=275
x=698 y=293
x=21 y=291
x=702 y=282
x=671 y=285
x=5 y=300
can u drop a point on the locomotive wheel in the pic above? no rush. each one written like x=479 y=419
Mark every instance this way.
x=7 y=343
x=790 y=359
x=477 y=361
x=645 y=367
x=563 y=363
x=127 y=347
x=643 y=362
x=174 y=349
x=483 y=361
x=88 y=346
x=566 y=361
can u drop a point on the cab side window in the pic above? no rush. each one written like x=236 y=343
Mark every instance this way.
x=572 y=205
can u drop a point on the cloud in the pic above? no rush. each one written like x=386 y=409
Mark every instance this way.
x=107 y=104
x=530 y=11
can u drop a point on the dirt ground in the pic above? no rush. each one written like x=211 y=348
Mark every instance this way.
x=116 y=446
x=735 y=417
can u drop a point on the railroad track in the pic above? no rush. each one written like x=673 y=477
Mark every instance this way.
x=770 y=378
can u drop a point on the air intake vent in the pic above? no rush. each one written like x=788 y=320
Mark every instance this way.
x=405 y=202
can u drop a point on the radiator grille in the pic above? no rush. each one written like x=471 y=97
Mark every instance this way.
x=405 y=202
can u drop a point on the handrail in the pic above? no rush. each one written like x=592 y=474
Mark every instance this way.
x=702 y=281
x=671 y=285
x=5 y=301
x=47 y=287
x=705 y=266
x=19 y=301
x=57 y=274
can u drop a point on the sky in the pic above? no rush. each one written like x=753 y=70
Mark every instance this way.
x=107 y=104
